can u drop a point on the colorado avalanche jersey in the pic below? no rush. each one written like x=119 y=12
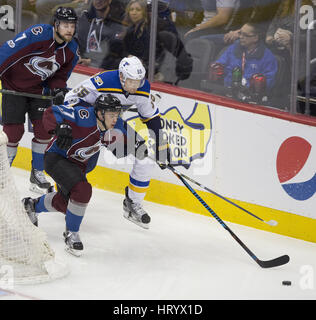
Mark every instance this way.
x=109 y=82
x=85 y=132
x=33 y=60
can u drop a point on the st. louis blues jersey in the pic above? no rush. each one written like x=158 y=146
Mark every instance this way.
x=34 y=61
x=109 y=82
x=85 y=132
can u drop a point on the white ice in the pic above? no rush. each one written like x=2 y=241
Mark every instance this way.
x=182 y=256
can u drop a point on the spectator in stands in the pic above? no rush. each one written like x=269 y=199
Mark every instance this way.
x=136 y=39
x=280 y=33
x=185 y=14
x=97 y=32
x=258 y=11
x=221 y=13
x=250 y=55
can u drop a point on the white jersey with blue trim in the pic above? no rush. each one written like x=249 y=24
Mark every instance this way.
x=109 y=82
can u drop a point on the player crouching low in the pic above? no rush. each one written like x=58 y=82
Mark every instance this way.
x=80 y=131
x=70 y=155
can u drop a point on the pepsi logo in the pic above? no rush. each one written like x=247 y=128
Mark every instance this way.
x=295 y=168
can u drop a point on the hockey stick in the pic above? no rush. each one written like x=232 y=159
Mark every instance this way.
x=26 y=94
x=38 y=96
x=270 y=222
x=262 y=263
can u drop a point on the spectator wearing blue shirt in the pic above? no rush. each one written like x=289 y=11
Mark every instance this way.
x=250 y=55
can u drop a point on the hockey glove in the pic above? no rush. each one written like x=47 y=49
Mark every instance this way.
x=59 y=95
x=163 y=155
x=64 y=136
x=141 y=151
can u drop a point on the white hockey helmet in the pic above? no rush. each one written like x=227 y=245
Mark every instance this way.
x=132 y=68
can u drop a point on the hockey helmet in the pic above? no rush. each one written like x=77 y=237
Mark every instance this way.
x=107 y=103
x=132 y=68
x=65 y=14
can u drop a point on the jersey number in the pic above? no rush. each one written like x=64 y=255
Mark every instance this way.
x=81 y=92
x=67 y=111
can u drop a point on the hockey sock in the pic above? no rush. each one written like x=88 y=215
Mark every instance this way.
x=74 y=215
x=137 y=189
x=44 y=203
x=14 y=133
x=12 y=149
x=38 y=150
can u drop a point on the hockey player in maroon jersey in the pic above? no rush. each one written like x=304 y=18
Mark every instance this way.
x=38 y=60
x=80 y=131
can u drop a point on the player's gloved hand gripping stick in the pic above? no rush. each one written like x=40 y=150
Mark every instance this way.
x=63 y=132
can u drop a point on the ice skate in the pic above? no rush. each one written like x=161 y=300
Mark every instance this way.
x=73 y=243
x=29 y=206
x=134 y=212
x=39 y=184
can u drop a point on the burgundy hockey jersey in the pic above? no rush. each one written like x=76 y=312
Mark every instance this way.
x=34 y=62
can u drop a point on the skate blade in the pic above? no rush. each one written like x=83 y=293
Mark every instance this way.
x=76 y=253
x=36 y=189
x=129 y=218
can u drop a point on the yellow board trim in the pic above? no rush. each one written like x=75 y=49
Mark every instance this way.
x=169 y=194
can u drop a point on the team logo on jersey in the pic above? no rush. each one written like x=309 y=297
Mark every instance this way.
x=43 y=67
x=296 y=168
x=83 y=114
x=84 y=153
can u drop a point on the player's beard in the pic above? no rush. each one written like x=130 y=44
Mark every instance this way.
x=64 y=38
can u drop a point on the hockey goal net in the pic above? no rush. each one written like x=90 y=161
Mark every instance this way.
x=23 y=247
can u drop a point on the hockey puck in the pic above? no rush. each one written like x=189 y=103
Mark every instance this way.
x=286 y=283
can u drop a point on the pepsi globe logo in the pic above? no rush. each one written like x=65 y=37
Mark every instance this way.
x=295 y=169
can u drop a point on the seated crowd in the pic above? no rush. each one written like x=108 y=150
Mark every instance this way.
x=251 y=41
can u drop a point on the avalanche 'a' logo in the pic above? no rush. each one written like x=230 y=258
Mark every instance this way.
x=296 y=168
x=43 y=67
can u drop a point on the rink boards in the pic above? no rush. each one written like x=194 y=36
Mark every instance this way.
x=265 y=161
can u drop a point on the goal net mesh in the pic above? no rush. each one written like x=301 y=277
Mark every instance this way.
x=23 y=246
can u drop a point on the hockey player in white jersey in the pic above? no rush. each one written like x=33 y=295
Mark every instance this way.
x=129 y=85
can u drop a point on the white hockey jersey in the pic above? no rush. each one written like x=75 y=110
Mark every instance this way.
x=109 y=82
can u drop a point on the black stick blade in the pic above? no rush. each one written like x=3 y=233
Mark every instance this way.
x=274 y=262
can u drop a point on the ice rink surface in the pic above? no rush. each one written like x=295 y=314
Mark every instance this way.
x=183 y=256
